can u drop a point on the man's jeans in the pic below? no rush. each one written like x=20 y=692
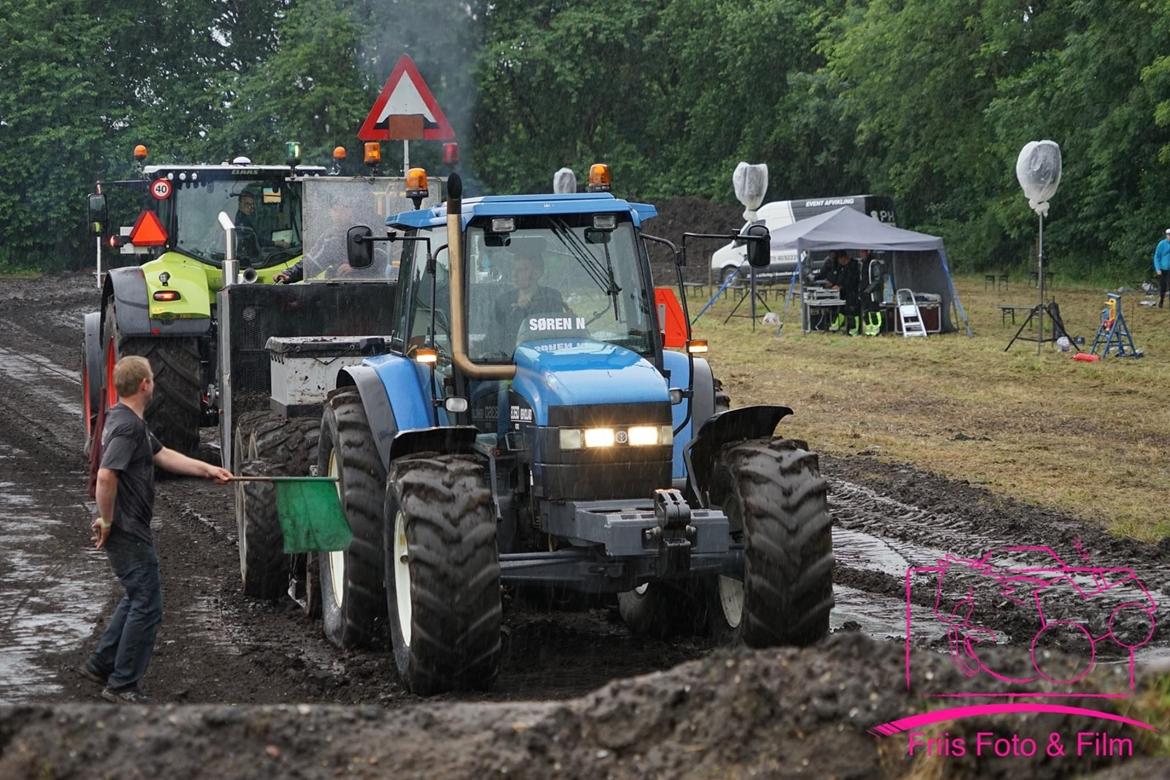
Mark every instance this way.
x=126 y=646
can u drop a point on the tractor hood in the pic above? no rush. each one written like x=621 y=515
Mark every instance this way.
x=582 y=372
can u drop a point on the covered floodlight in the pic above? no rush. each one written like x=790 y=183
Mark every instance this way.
x=750 y=182
x=564 y=181
x=1038 y=171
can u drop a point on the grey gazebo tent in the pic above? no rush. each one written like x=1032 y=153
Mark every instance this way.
x=919 y=260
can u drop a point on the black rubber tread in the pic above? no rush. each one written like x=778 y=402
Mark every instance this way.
x=359 y=621
x=88 y=403
x=455 y=596
x=263 y=564
x=175 y=411
x=289 y=443
x=772 y=490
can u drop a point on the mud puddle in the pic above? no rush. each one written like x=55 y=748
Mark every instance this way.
x=47 y=598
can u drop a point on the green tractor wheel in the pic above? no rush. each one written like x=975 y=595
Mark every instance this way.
x=175 y=411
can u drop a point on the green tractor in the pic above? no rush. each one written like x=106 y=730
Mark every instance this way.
x=164 y=308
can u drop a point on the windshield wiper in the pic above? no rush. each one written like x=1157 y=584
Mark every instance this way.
x=601 y=275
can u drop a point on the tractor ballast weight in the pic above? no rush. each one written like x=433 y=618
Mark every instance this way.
x=543 y=437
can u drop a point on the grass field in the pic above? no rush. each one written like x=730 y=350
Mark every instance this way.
x=1092 y=439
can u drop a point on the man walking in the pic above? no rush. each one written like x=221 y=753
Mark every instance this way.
x=1162 y=267
x=125 y=500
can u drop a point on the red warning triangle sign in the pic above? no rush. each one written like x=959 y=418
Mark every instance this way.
x=148 y=231
x=404 y=101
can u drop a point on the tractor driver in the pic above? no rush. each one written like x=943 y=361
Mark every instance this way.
x=250 y=240
x=527 y=297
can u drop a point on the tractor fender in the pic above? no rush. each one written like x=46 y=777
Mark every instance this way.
x=92 y=351
x=377 y=405
x=446 y=439
x=128 y=289
x=745 y=422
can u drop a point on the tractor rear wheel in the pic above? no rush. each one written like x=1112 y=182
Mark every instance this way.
x=353 y=601
x=175 y=410
x=442 y=573
x=263 y=564
x=774 y=496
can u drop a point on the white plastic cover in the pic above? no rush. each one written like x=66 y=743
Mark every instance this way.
x=1038 y=170
x=564 y=181
x=751 y=183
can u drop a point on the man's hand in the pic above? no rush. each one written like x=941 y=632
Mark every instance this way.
x=281 y=278
x=217 y=474
x=99 y=532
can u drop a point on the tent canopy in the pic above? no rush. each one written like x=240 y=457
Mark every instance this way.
x=919 y=260
x=846 y=228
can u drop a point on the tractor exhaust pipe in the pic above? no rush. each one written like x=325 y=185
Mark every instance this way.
x=459 y=354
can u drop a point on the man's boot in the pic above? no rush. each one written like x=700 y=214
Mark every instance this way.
x=856 y=326
x=837 y=323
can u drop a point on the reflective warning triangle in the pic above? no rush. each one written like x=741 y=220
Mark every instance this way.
x=148 y=231
x=406 y=94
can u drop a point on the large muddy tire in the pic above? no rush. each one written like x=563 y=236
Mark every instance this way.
x=288 y=443
x=263 y=564
x=175 y=411
x=442 y=574
x=353 y=599
x=777 y=501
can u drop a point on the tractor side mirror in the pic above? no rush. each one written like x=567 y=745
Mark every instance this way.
x=597 y=236
x=359 y=246
x=758 y=241
x=98 y=214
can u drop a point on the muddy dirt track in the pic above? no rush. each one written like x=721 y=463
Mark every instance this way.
x=564 y=703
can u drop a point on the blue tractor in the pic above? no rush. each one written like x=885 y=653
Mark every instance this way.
x=526 y=428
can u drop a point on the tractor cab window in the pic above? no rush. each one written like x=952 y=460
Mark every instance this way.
x=417 y=298
x=266 y=215
x=554 y=279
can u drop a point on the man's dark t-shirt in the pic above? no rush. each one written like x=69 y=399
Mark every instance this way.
x=128 y=447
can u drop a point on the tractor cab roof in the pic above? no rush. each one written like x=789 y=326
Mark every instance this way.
x=229 y=171
x=524 y=205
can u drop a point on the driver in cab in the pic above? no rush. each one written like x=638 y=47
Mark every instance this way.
x=251 y=241
x=527 y=298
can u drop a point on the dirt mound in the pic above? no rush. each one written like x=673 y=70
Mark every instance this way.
x=737 y=713
x=694 y=215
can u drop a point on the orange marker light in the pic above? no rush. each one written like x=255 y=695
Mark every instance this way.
x=599 y=179
x=339 y=153
x=373 y=153
x=167 y=295
x=428 y=356
x=416 y=183
x=697 y=346
x=140 y=152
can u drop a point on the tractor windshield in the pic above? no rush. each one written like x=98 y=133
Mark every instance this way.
x=266 y=214
x=555 y=278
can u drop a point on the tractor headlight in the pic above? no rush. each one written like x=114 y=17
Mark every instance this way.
x=599 y=437
x=634 y=436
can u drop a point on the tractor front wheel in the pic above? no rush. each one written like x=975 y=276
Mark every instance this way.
x=775 y=497
x=442 y=574
x=263 y=564
x=353 y=601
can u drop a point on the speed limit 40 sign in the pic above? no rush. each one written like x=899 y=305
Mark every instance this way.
x=161 y=189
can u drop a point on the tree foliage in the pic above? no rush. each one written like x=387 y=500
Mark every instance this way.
x=926 y=100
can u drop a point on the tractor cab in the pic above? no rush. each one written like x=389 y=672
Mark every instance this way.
x=263 y=200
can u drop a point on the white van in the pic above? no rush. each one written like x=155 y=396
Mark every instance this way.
x=780 y=213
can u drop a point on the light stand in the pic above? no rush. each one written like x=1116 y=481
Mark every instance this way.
x=1038 y=171
x=749 y=292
